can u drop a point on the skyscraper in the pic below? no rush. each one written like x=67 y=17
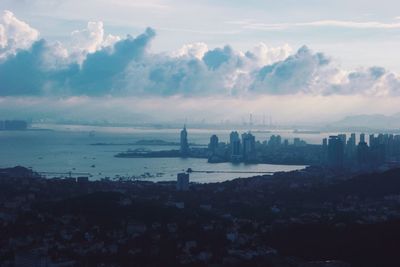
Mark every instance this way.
x=351 y=149
x=275 y=141
x=249 y=147
x=363 y=156
x=335 y=152
x=362 y=138
x=213 y=145
x=372 y=140
x=352 y=140
x=184 y=143
x=324 y=155
x=234 y=141
x=343 y=138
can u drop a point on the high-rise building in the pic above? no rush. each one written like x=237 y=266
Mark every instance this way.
x=372 y=140
x=286 y=142
x=343 y=138
x=325 y=142
x=363 y=157
x=213 y=145
x=234 y=142
x=378 y=149
x=184 y=143
x=182 y=182
x=324 y=151
x=352 y=140
x=13 y=125
x=249 y=147
x=335 y=152
x=275 y=141
x=298 y=142
x=362 y=138
x=351 y=149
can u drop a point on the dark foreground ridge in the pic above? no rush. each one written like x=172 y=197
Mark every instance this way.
x=301 y=218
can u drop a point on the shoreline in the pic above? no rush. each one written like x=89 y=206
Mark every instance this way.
x=156 y=177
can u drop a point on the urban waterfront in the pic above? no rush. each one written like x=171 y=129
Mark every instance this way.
x=199 y=133
x=64 y=149
x=215 y=155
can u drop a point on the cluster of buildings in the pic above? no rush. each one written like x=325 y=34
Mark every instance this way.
x=338 y=151
x=13 y=125
x=238 y=149
x=241 y=148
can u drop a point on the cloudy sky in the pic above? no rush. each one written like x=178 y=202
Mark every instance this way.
x=154 y=60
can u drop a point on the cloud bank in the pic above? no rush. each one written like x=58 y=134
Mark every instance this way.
x=98 y=76
x=96 y=64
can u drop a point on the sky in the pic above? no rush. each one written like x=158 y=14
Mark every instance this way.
x=298 y=61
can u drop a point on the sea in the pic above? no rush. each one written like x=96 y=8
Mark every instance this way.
x=67 y=150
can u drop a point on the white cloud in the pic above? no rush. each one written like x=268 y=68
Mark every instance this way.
x=196 y=50
x=90 y=40
x=87 y=40
x=14 y=34
x=265 y=55
x=3 y=37
x=110 y=40
x=121 y=79
x=250 y=24
x=353 y=24
x=98 y=64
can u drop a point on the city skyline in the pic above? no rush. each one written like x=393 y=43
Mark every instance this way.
x=208 y=133
x=338 y=153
